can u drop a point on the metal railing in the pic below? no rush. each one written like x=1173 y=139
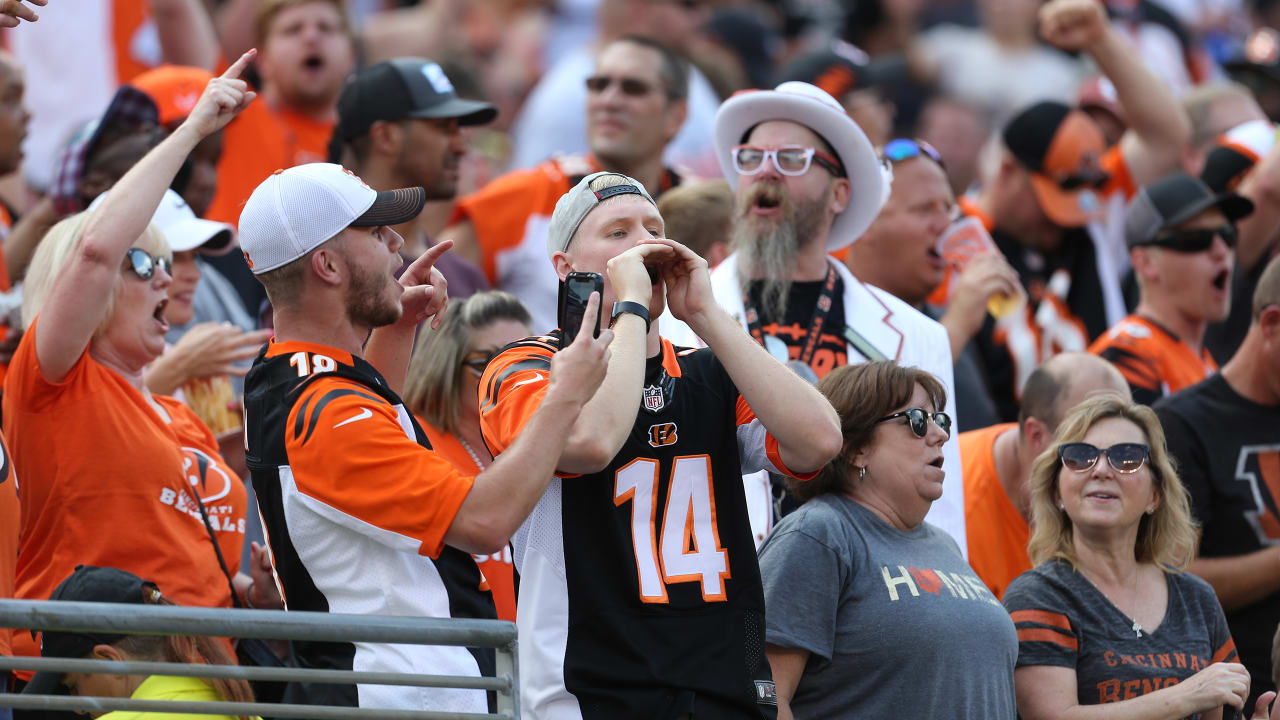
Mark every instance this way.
x=267 y=625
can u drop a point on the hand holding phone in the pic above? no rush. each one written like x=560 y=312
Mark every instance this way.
x=575 y=290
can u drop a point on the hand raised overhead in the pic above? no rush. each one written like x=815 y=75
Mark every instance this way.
x=224 y=97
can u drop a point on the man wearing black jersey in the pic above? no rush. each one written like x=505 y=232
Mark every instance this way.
x=1225 y=434
x=640 y=595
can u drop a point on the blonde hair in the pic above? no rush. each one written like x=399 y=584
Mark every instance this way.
x=433 y=387
x=269 y=9
x=1167 y=537
x=54 y=252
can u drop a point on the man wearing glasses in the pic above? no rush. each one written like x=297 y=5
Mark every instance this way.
x=636 y=103
x=1225 y=434
x=1054 y=204
x=807 y=183
x=1181 y=241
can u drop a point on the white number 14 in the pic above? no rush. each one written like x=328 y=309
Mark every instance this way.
x=690 y=547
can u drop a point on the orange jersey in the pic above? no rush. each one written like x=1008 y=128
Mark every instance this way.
x=497 y=568
x=105 y=481
x=1154 y=361
x=258 y=142
x=996 y=533
x=10 y=525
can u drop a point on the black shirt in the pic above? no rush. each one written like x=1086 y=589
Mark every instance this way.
x=1228 y=454
x=793 y=330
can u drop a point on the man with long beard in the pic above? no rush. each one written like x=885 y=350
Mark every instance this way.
x=807 y=183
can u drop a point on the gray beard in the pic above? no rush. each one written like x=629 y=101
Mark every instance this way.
x=767 y=252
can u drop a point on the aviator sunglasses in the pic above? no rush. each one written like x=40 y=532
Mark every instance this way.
x=144 y=264
x=1124 y=457
x=918 y=419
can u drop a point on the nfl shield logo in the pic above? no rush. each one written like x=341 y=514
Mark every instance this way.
x=653 y=398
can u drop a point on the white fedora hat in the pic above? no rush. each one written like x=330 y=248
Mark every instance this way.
x=812 y=107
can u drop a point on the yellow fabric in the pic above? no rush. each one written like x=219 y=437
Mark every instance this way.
x=165 y=687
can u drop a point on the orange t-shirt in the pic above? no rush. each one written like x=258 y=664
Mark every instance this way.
x=1154 y=361
x=258 y=142
x=10 y=524
x=996 y=533
x=497 y=568
x=103 y=483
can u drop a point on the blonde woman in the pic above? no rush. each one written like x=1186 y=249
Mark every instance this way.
x=1109 y=625
x=442 y=389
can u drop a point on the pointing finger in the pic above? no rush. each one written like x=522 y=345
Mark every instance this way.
x=239 y=65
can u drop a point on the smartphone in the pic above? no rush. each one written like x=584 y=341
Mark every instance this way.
x=575 y=290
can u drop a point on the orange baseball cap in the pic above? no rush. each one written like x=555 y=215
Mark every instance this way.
x=1062 y=147
x=174 y=88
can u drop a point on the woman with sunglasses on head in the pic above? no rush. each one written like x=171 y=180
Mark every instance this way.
x=111 y=474
x=870 y=609
x=442 y=390
x=1109 y=625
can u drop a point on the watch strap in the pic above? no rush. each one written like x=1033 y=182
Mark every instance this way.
x=635 y=308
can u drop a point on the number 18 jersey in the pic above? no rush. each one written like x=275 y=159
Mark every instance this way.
x=640 y=595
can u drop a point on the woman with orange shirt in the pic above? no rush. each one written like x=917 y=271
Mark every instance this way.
x=442 y=390
x=113 y=475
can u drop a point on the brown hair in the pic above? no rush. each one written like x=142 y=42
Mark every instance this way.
x=187 y=649
x=698 y=214
x=433 y=387
x=1167 y=537
x=861 y=395
x=269 y=9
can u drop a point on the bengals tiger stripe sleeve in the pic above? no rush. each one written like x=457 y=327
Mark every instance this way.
x=758 y=448
x=512 y=388
x=350 y=456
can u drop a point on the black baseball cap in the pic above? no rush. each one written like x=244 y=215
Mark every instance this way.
x=838 y=68
x=86 y=584
x=403 y=88
x=1063 y=148
x=1175 y=199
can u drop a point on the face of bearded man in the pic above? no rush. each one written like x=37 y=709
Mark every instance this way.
x=370 y=302
x=767 y=246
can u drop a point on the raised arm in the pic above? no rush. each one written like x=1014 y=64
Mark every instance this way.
x=1158 y=127
x=1258 y=231
x=76 y=302
x=793 y=411
x=186 y=33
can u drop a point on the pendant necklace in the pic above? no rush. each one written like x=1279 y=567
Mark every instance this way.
x=476 y=458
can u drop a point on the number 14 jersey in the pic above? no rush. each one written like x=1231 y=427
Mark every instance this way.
x=640 y=594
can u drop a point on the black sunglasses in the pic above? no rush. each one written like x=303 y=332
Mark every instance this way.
x=631 y=87
x=477 y=360
x=1094 y=179
x=1124 y=457
x=1197 y=240
x=144 y=264
x=918 y=419
x=901 y=149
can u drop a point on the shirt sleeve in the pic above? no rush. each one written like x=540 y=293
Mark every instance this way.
x=1192 y=461
x=1046 y=633
x=511 y=390
x=1121 y=179
x=758 y=448
x=354 y=461
x=802 y=582
x=1224 y=647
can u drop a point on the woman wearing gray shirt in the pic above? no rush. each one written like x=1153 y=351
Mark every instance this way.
x=869 y=610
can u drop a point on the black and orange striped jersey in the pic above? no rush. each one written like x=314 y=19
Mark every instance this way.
x=355 y=505
x=1064 y=621
x=1153 y=360
x=640 y=595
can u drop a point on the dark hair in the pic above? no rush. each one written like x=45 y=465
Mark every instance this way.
x=1040 y=398
x=674 y=71
x=861 y=395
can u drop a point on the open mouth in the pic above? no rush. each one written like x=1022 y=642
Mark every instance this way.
x=158 y=314
x=936 y=462
x=1220 y=280
x=313 y=62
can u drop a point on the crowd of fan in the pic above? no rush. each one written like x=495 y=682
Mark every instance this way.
x=1027 y=247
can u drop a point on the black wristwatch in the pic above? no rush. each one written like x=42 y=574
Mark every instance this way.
x=635 y=308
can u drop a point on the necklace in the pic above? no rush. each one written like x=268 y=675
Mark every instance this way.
x=476 y=458
x=1136 y=627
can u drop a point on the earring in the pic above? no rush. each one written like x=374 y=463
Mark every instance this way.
x=862 y=473
x=1151 y=511
x=1062 y=506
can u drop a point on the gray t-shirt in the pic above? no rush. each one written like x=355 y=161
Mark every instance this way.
x=896 y=622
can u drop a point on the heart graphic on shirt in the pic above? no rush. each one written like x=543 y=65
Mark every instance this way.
x=927 y=580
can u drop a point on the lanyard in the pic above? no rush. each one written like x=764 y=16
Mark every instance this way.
x=820 y=310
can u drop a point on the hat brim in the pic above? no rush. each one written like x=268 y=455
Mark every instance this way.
x=468 y=112
x=1271 y=72
x=392 y=207
x=869 y=186
x=1066 y=208
x=46 y=683
x=207 y=236
x=1233 y=206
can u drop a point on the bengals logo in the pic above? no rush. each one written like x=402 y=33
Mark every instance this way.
x=1259 y=467
x=247 y=259
x=662 y=434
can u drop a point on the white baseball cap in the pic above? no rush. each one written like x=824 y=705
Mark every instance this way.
x=183 y=230
x=295 y=211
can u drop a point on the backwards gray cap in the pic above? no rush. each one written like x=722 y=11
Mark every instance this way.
x=574 y=206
